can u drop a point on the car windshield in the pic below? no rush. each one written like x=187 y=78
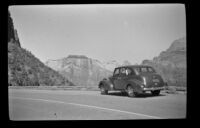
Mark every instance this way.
x=145 y=70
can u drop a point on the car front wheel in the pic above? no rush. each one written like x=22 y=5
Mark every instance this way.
x=130 y=91
x=155 y=93
x=103 y=90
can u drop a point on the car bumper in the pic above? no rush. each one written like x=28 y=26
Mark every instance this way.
x=153 y=88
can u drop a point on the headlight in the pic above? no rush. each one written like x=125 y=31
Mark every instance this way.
x=144 y=80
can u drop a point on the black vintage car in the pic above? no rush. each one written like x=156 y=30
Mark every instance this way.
x=133 y=79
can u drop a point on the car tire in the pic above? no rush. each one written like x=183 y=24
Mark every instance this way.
x=131 y=92
x=103 y=90
x=155 y=93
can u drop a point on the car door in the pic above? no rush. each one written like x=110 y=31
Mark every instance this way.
x=115 y=78
x=119 y=81
x=126 y=75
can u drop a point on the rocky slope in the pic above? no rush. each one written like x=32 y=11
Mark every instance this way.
x=24 y=69
x=110 y=65
x=171 y=64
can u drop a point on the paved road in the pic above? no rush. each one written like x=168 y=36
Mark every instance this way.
x=27 y=104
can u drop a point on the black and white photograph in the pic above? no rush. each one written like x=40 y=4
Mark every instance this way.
x=97 y=62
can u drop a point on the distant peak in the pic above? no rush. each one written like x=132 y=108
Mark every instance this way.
x=78 y=56
x=12 y=32
x=178 y=44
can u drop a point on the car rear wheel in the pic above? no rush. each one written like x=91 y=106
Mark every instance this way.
x=130 y=91
x=103 y=90
x=155 y=93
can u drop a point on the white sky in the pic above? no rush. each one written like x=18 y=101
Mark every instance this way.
x=132 y=32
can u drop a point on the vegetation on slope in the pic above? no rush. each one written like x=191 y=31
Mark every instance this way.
x=24 y=69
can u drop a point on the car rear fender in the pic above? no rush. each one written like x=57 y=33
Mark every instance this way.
x=136 y=85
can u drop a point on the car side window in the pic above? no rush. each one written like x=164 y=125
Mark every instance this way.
x=116 y=72
x=143 y=69
x=128 y=71
x=135 y=71
x=123 y=71
x=151 y=70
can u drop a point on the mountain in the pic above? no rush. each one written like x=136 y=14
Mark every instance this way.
x=171 y=64
x=12 y=33
x=110 y=65
x=81 y=70
x=125 y=63
x=24 y=69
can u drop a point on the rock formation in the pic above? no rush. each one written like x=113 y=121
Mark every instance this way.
x=171 y=64
x=24 y=69
x=12 y=33
x=126 y=62
x=110 y=65
x=81 y=70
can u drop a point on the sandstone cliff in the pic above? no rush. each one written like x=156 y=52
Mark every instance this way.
x=171 y=64
x=81 y=70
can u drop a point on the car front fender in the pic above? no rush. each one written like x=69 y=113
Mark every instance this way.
x=106 y=83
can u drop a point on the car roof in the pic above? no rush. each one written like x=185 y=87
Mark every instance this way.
x=133 y=66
